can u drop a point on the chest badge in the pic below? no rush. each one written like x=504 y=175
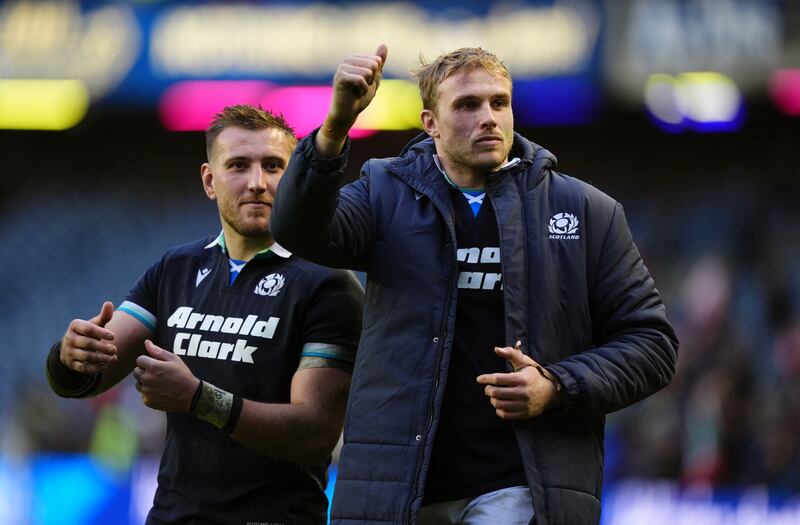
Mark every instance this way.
x=563 y=226
x=270 y=285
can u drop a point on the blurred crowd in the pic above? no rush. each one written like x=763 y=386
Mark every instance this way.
x=727 y=260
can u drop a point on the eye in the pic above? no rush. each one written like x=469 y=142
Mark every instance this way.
x=237 y=165
x=500 y=103
x=273 y=166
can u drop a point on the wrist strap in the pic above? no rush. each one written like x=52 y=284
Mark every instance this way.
x=196 y=397
x=217 y=406
x=66 y=382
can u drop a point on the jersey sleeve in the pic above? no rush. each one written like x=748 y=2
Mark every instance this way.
x=142 y=301
x=332 y=324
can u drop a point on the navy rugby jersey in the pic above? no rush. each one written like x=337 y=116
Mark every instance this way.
x=475 y=451
x=246 y=337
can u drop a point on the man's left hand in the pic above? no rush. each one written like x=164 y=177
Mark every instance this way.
x=521 y=394
x=164 y=380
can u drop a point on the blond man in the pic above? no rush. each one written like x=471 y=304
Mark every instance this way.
x=508 y=309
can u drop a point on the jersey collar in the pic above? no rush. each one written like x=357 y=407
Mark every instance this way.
x=509 y=164
x=273 y=249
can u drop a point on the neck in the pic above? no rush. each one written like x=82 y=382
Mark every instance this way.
x=244 y=248
x=464 y=176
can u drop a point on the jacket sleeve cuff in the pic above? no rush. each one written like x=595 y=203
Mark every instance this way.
x=334 y=165
x=570 y=390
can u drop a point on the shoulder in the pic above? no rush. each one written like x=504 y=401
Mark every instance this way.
x=380 y=165
x=197 y=249
x=416 y=157
x=316 y=275
x=540 y=173
x=569 y=206
x=564 y=188
x=378 y=168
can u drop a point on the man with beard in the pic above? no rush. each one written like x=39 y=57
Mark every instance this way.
x=247 y=348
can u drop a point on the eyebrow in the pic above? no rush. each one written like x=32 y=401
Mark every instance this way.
x=274 y=158
x=244 y=158
x=494 y=96
x=237 y=158
x=465 y=98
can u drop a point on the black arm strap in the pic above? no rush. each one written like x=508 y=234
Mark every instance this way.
x=67 y=382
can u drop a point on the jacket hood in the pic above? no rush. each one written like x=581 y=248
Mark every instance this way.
x=530 y=154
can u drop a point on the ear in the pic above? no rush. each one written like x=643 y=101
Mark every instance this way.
x=429 y=123
x=208 y=180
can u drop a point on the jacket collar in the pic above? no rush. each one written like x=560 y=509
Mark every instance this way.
x=416 y=165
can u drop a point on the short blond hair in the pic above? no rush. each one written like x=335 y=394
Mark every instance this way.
x=247 y=117
x=430 y=74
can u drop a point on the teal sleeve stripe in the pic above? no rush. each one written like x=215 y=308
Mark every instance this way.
x=146 y=318
x=328 y=356
x=327 y=351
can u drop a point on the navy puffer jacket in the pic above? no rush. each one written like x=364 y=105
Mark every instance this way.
x=576 y=293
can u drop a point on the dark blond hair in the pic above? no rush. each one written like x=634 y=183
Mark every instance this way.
x=247 y=117
x=466 y=59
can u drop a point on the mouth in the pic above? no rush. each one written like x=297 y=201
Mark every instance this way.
x=490 y=140
x=257 y=204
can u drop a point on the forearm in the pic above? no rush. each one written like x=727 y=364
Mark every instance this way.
x=69 y=383
x=290 y=431
x=636 y=347
x=299 y=431
x=305 y=202
x=66 y=382
x=75 y=365
x=313 y=218
x=619 y=373
x=331 y=138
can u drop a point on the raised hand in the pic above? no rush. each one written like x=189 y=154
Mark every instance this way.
x=354 y=86
x=524 y=393
x=164 y=380
x=87 y=346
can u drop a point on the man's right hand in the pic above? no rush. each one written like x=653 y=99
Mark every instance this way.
x=354 y=86
x=87 y=346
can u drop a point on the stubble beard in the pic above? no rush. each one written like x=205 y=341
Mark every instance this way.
x=249 y=226
x=482 y=164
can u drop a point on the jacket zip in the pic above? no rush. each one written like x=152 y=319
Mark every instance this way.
x=439 y=351
x=527 y=308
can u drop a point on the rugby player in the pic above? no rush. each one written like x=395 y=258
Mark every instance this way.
x=247 y=348
x=483 y=264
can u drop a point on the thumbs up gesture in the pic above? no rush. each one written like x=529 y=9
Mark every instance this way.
x=524 y=393
x=87 y=346
x=164 y=380
x=354 y=86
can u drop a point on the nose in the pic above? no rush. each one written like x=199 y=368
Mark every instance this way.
x=488 y=119
x=257 y=182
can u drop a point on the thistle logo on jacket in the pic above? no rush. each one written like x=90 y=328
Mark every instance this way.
x=563 y=226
